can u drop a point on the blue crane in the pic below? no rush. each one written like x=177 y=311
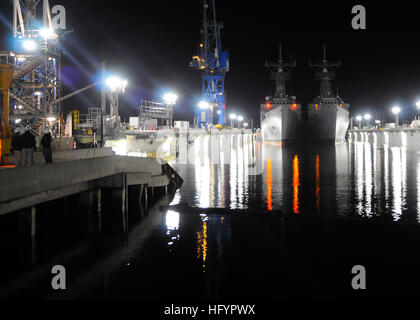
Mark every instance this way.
x=213 y=63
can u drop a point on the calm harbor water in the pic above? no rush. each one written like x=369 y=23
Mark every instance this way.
x=323 y=209
x=346 y=180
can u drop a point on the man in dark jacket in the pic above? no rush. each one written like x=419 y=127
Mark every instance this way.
x=46 y=146
x=28 y=147
x=17 y=147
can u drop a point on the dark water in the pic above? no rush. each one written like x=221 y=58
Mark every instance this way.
x=340 y=206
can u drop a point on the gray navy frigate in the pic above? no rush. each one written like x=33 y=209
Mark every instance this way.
x=280 y=115
x=328 y=115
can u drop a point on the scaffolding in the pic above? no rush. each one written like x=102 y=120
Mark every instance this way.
x=36 y=80
x=151 y=110
x=90 y=120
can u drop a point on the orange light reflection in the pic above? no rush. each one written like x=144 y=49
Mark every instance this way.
x=269 y=182
x=296 y=184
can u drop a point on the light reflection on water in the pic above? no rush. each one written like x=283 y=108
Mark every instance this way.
x=359 y=179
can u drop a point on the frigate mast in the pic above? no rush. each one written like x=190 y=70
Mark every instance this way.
x=325 y=74
x=280 y=72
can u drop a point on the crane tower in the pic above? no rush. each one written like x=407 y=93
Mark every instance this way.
x=213 y=63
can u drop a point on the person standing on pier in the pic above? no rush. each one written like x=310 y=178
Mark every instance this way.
x=46 y=146
x=28 y=147
x=17 y=147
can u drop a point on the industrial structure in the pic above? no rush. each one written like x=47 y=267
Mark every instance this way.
x=30 y=73
x=213 y=63
x=31 y=66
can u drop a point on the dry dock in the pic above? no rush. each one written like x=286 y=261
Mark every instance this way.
x=408 y=138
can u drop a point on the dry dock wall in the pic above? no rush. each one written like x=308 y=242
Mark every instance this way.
x=408 y=138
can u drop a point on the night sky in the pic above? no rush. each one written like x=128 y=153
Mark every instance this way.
x=151 y=44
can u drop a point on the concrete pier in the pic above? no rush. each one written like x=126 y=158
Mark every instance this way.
x=28 y=187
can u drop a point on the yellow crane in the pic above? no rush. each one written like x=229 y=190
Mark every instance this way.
x=6 y=77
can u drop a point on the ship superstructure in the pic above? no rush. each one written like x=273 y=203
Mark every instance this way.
x=280 y=115
x=328 y=114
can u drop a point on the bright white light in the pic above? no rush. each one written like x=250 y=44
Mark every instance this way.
x=18 y=121
x=120 y=148
x=246 y=124
x=359 y=118
x=170 y=98
x=367 y=116
x=396 y=110
x=240 y=118
x=418 y=104
x=37 y=93
x=232 y=116
x=116 y=84
x=172 y=220
x=47 y=33
x=29 y=45
x=51 y=119
x=218 y=112
x=203 y=105
x=20 y=107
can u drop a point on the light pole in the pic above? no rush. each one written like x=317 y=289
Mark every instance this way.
x=359 y=120
x=240 y=119
x=367 y=117
x=232 y=117
x=170 y=99
x=396 y=110
x=418 y=107
x=116 y=86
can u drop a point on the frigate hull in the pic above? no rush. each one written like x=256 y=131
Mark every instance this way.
x=281 y=123
x=328 y=123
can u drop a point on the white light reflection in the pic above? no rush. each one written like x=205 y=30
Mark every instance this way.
x=386 y=176
x=233 y=181
x=358 y=150
x=202 y=172
x=404 y=178
x=172 y=220
x=177 y=198
x=396 y=183
x=418 y=190
x=240 y=181
x=368 y=179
